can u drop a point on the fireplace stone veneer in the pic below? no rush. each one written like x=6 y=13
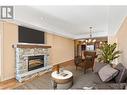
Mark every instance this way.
x=22 y=54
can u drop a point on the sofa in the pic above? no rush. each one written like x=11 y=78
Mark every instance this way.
x=119 y=81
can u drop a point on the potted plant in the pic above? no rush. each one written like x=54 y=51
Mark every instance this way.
x=108 y=53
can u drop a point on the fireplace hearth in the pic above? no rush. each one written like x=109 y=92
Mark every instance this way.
x=35 y=62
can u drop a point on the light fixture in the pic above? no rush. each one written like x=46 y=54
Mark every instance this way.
x=100 y=42
x=90 y=38
x=84 y=43
x=94 y=40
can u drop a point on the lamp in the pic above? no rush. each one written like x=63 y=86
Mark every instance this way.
x=90 y=39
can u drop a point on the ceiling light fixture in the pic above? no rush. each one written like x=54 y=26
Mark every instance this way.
x=90 y=38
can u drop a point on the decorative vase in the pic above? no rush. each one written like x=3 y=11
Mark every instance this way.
x=57 y=69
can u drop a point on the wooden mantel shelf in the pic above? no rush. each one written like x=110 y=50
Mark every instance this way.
x=28 y=45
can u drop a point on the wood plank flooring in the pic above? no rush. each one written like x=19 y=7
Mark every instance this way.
x=12 y=83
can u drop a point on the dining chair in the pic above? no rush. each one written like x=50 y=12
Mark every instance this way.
x=78 y=62
x=89 y=60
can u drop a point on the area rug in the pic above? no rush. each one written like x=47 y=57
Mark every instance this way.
x=79 y=80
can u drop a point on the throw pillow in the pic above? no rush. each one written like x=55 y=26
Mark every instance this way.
x=122 y=75
x=107 y=73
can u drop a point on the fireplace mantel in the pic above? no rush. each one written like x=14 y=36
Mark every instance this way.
x=28 y=45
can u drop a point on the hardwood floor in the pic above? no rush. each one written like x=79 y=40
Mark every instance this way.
x=8 y=84
x=12 y=83
x=79 y=79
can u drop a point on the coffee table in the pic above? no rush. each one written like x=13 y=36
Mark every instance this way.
x=63 y=80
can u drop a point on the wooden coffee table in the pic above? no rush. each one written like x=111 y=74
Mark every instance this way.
x=63 y=80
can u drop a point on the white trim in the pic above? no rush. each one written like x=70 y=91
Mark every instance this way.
x=8 y=78
x=119 y=26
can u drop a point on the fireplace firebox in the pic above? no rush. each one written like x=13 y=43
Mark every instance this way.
x=35 y=62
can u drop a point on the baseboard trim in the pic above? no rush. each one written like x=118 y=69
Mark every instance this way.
x=7 y=78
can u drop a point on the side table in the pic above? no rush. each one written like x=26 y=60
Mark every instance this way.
x=63 y=80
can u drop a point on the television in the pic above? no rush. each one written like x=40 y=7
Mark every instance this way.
x=27 y=35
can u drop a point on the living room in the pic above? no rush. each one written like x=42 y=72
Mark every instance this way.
x=41 y=42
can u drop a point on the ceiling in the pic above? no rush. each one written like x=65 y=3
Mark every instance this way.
x=80 y=18
x=72 y=21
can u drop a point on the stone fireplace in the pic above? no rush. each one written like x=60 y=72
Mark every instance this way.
x=31 y=60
